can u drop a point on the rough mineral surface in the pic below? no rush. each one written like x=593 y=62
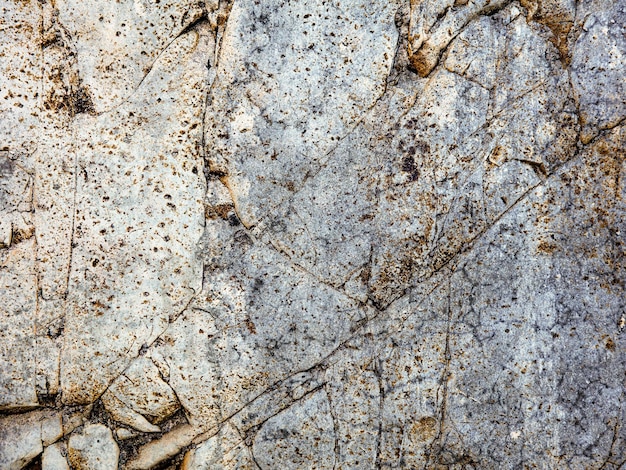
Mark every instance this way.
x=313 y=234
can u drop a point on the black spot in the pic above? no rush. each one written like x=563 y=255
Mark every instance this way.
x=81 y=101
x=233 y=220
x=409 y=166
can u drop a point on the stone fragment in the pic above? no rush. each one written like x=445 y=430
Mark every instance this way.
x=73 y=419
x=142 y=389
x=125 y=415
x=53 y=458
x=123 y=434
x=21 y=440
x=51 y=428
x=163 y=448
x=93 y=448
x=32 y=431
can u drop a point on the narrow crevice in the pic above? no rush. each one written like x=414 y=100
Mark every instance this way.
x=378 y=372
x=250 y=433
x=437 y=446
x=129 y=448
x=333 y=415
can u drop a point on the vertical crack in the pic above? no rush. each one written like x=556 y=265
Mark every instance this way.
x=436 y=446
x=335 y=427
x=378 y=372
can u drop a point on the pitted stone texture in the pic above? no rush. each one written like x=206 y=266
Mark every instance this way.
x=117 y=45
x=20 y=59
x=312 y=235
x=466 y=145
x=18 y=280
x=139 y=218
x=259 y=320
x=308 y=71
x=18 y=297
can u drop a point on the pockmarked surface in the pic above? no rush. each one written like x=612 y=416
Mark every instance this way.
x=310 y=234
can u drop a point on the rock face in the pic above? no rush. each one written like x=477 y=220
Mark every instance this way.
x=312 y=234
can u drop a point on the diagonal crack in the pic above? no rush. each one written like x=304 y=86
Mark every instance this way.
x=193 y=23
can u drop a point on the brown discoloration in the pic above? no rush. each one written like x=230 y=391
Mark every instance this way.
x=420 y=61
x=550 y=13
x=21 y=234
x=425 y=429
x=63 y=90
x=610 y=344
x=221 y=211
x=498 y=156
x=546 y=247
x=538 y=167
x=251 y=326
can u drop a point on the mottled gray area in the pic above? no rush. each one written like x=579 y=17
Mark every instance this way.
x=305 y=234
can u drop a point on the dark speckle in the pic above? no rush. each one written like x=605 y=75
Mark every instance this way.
x=233 y=220
x=408 y=166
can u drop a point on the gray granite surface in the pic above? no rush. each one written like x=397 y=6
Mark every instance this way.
x=312 y=234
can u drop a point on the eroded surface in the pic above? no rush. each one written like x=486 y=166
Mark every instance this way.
x=304 y=234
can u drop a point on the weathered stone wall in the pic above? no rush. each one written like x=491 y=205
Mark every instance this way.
x=326 y=234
